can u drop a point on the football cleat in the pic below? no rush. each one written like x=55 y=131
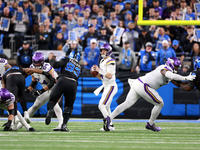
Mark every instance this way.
x=111 y=128
x=64 y=128
x=48 y=117
x=26 y=117
x=31 y=129
x=106 y=122
x=153 y=127
x=58 y=128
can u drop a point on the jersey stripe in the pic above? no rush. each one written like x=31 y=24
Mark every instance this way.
x=108 y=95
x=110 y=61
x=151 y=94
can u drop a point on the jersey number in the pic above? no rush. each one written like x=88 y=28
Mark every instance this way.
x=72 y=68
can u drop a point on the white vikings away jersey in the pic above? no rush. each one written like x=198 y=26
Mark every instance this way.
x=3 y=63
x=155 y=79
x=41 y=78
x=105 y=66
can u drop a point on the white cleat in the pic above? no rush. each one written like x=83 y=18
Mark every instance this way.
x=26 y=117
x=111 y=128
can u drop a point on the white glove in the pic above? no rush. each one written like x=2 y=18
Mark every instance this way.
x=190 y=77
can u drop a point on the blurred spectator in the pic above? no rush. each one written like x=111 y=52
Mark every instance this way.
x=49 y=12
x=145 y=58
x=160 y=35
x=83 y=6
x=86 y=15
x=80 y=28
x=103 y=37
x=2 y=5
x=60 y=41
x=76 y=12
x=128 y=9
x=100 y=16
x=156 y=15
x=95 y=9
x=1 y=43
x=57 y=23
x=164 y=53
x=194 y=54
x=128 y=18
x=42 y=39
x=190 y=13
x=185 y=71
x=118 y=12
x=20 y=27
x=186 y=37
x=131 y=36
x=145 y=10
x=24 y=55
x=183 y=6
x=85 y=39
x=48 y=29
x=121 y=3
x=170 y=30
x=71 y=46
x=156 y=6
x=64 y=30
x=177 y=3
x=108 y=7
x=178 y=50
x=71 y=22
x=62 y=15
x=144 y=37
x=91 y=55
x=93 y=21
x=127 y=57
x=108 y=26
x=69 y=6
x=114 y=19
x=167 y=11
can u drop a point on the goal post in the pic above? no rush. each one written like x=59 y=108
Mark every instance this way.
x=162 y=22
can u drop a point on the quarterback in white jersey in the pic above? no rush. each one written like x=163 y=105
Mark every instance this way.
x=146 y=86
x=42 y=96
x=4 y=65
x=107 y=71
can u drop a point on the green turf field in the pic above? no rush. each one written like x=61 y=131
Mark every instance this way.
x=87 y=136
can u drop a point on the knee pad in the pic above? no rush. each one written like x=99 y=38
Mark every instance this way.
x=68 y=111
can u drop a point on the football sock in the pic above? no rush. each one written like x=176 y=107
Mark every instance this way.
x=58 y=112
x=154 y=113
x=23 y=103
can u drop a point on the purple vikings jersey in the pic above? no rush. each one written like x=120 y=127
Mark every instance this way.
x=69 y=8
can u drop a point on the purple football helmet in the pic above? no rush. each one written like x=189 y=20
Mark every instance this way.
x=172 y=62
x=6 y=96
x=38 y=59
x=108 y=48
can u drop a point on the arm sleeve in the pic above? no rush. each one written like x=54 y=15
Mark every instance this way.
x=56 y=64
x=111 y=69
x=173 y=76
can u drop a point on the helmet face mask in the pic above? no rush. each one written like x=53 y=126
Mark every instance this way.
x=174 y=63
x=38 y=60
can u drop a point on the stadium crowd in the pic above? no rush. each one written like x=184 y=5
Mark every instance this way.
x=95 y=21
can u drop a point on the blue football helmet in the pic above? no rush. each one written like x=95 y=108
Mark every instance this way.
x=75 y=55
x=197 y=63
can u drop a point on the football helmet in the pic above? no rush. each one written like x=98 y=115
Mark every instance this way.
x=172 y=62
x=108 y=48
x=75 y=55
x=38 y=60
x=197 y=63
x=6 y=96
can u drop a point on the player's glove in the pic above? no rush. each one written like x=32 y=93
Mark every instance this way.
x=190 y=77
x=37 y=93
x=26 y=91
x=7 y=125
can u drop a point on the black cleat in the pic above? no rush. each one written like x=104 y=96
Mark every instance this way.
x=64 y=128
x=48 y=117
x=31 y=129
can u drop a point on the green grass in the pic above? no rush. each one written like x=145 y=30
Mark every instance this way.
x=87 y=136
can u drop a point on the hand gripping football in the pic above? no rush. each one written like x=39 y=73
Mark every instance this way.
x=93 y=73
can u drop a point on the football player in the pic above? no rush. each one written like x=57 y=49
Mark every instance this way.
x=146 y=86
x=66 y=84
x=42 y=96
x=106 y=73
x=14 y=80
x=188 y=86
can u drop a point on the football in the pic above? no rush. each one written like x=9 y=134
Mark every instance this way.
x=93 y=73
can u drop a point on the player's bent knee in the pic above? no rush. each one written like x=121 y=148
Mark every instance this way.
x=68 y=111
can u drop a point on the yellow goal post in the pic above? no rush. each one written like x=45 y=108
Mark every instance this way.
x=162 y=22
